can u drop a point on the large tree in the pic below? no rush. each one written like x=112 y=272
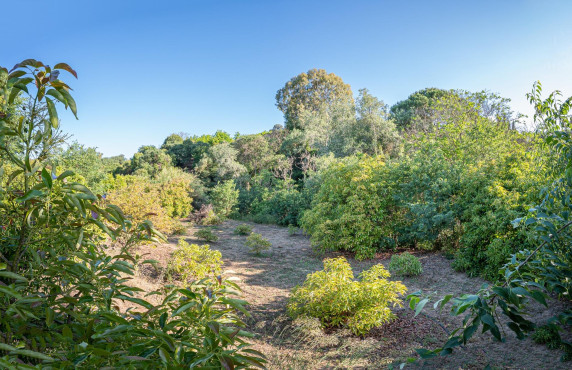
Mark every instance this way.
x=415 y=113
x=313 y=91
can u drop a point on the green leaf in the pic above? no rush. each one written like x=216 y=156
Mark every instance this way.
x=53 y=113
x=11 y=275
x=30 y=195
x=33 y=354
x=420 y=306
x=47 y=178
x=70 y=100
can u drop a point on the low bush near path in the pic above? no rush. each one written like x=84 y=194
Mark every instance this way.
x=337 y=299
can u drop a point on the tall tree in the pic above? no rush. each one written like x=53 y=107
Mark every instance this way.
x=313 y=91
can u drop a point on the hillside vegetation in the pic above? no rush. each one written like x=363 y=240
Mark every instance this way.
x=451 y=172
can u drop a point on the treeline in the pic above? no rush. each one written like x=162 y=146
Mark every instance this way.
x=441 y=170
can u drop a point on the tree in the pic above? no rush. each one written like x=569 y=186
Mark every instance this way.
x=219 y=164
x=414 y=114
x=253 y=152
x=149 y=161
x=312 y=91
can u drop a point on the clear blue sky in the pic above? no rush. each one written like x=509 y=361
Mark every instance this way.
x=150 y=68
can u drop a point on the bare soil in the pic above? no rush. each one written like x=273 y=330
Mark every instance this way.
x=266 y=281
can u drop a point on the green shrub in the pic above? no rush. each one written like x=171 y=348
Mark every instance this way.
x=257 y=243
x=224 y=198
x=243 y=230
x=174 y=187
x=348 y=212
x=140 y=200
x=60 y=289
x=292 y=230
x=338 y=300
x=405 y=264
x=206 y=234
x=179 y=229
x=193 y=262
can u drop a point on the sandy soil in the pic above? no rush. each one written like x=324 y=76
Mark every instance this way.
x=266 y=281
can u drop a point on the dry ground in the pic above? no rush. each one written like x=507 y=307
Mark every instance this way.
x=266 y=281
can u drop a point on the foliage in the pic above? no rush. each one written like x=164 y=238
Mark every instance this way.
x=547 y=334
x=149 y=161
x=89 y=164
x=528 y=274
x=141 y=201
x=191 y=262
x=219 y=164
x=348 y=212
x=206 y=234
x=310 y=92
x=333 y=296
x=415 y=113
x=224 y=197
x=174 y=188
x=60 y=287
x=243 y=229
x=292 y=230
x=257 y=244
x=405 y=264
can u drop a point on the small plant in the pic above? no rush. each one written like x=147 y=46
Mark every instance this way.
x=206 y=234
x=405 y=264
x=338 y=300
x=243 y=230
x=179 y=229
x=547 y=334
x=194 y=262
x=292 y=230
x=257 y=243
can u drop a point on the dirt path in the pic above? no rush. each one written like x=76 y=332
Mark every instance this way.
x=267 y=280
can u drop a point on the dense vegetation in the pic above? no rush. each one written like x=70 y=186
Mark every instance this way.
x=443 y=170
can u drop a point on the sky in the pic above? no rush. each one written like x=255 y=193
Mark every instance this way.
x=151 y=68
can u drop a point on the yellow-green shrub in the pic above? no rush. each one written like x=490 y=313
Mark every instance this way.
x=257 y=243
x=348 y=212
x=337 y=299
x=140 y=201
x=206 y=234
x=193 y=262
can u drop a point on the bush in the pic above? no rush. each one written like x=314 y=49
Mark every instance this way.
x=224 y=198
x=174 y=187
x=337 y=300
x=549 y=335
x=257 y=243
x=348 y=212
x=194 y=262
x=206 y=234
x=243 y=230
x=140 y=201
x=405 y=264
x=292 y=230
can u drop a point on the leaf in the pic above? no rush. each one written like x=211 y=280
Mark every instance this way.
x=47 y=178
x=425 y=353
x=70 y=100
x=53 y=113
x=420 y=306
x=66 y=67
x=11 y=275
x=33 y=354
x=30 y=195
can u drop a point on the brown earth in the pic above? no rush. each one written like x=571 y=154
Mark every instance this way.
x=267 y=280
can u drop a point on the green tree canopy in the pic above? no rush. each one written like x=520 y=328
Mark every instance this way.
x=312 y=91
